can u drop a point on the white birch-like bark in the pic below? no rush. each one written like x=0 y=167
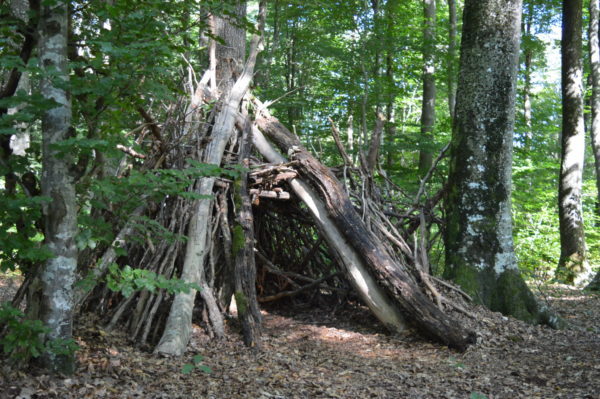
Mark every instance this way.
x=58 y=274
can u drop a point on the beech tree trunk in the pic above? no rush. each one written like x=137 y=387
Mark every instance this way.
x=349 y=229
x=573 y=266
x=479 y=245
x=58 y=274
x=428 y=105
x=527 y=76
x=230 y=54
x=594 y=49
x=451 y=56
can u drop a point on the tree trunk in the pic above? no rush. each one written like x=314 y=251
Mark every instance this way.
x=573 y=266
x=179 y=323
x=231 y=53
x=451 y=56
x=243 y=250
x=361 y=251
x=58 y=274
x=479 y=245
x=428 y=105
x=594 y=48
x=527 y=76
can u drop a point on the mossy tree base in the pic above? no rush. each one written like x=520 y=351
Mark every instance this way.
x=573 y=270
x=506 y=293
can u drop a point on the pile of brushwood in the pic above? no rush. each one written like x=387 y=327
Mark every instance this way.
x=263 y=220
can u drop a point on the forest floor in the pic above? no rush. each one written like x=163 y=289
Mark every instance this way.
x=313 y=353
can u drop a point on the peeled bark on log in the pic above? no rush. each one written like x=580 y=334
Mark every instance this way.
x=339 y=214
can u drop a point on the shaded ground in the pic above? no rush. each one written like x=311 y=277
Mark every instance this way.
x=347 y=355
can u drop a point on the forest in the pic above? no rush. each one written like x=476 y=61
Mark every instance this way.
x=299 y=199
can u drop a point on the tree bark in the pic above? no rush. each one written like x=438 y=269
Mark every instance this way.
x=231 y=53
x=428 y=104
x=346 y=228
x=594 y=49
x=179 y=323
x=573 y=266
x=527 y=76
x=451 y=56
x=58 y=274
x=479 y=245
x=243 y=250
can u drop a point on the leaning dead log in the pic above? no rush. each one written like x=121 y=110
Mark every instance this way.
x=376 y=299
x=389 y=274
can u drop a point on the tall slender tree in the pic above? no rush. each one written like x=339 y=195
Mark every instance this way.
x=528 y=55
x=451 y=56
x=573 y=266
x=479 y=245
x=428 y=104
x=58 y=274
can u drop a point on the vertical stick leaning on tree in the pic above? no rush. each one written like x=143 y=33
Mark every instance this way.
x=179 y=323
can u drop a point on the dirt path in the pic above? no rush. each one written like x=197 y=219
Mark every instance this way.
x=317 y=355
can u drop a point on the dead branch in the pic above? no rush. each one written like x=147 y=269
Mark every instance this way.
x=130 y=151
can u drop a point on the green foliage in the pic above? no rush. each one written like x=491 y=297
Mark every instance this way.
x=24 y=339
x=196 y=364
x=125 y=192
x=20 y=240
x=127 y=280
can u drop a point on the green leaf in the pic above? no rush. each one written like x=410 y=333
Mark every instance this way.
x=205 y=369
x=198 y=358
x=187 y=368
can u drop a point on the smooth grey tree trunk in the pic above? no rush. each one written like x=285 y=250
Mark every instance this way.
x=58 y=273
x=451 y=56
x=480 y=254
x=528 y=55
x=428 y=104
x=230 y=54
x=573 y=266
x=594 y=49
